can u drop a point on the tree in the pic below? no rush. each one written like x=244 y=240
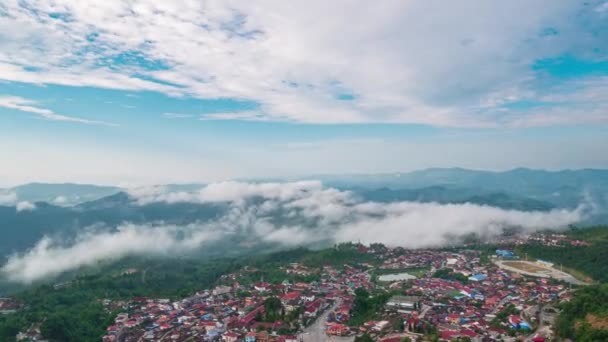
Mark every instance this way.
x=364 y=338
x=283 y=331
x=273 y=308
x=361 y=300
x=401 y=325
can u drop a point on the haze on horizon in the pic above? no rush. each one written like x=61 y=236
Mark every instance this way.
x=142 y=92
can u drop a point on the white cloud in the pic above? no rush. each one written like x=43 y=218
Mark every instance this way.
x=283 y=214
x=325 y=213
x=60 y=200
x=602 y=8
x=225 y=192
x=25 y=206
x=427 y=62
x=49 y=257
x=7 y=197
x=243 y=115
x=430 y=224
x=29 y=106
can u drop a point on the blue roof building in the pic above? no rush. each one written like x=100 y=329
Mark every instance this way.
x=478 y=277
x=505 y=253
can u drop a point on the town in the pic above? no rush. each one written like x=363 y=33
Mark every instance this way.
x=398 y=295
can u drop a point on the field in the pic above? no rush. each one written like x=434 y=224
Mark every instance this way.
x=415 y=271
x=538 y=270
x=526 y=266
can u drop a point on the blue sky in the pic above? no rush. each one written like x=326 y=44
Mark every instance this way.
x=141 y=92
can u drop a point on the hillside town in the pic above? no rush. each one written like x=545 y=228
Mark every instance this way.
x=401 y=295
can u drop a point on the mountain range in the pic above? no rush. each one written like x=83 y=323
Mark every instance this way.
x=68 y=208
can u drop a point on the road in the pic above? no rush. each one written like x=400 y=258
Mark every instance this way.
x=316 y=331
x=548 y=313
x=425 y=309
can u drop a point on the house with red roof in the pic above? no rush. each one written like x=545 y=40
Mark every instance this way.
x=453 y=318
x=448 y=335
x=337 y=329
x=230 y=336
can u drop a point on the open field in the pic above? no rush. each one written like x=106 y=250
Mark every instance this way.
x=415 y=271
x=534 y=269
x=525 y=266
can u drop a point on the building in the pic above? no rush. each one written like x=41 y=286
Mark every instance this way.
x=337 y=329
x=503 y=253
x=518 y=323
x=403 y=302
x=220 y=290
x=250 y=337
x=230 y=337
x=478 y=277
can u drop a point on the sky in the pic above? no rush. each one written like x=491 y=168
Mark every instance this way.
x=144 y=92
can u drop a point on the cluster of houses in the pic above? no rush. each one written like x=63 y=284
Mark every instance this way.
x=484 y=303
x=213 y=315
x=555 y=239
x=491 y=305
x=9 y=305
x=237 y=312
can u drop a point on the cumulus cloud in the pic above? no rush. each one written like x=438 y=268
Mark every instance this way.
x=274 y=55
x=281 y=214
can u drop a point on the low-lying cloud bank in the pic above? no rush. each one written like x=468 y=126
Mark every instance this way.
x=289 y=214
x=50 y=258
x=7 y=197
x=10 y=198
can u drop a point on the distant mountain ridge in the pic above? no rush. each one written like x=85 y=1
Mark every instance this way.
x=475 y=178
x=519 y=188
x=106 y=208
x=444 y=194
x=61 y=193
x=86 y=205
x=560 y=189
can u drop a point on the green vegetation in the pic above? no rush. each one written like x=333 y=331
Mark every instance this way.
x=502 y=315
x=415 y=271
x=449 y=274
x=274 y=309
x=364 y=338
x=366 y=306
x=267 y=265
x=74 y=313
x=585 y=317
x=591 y=234
x=344 y=253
